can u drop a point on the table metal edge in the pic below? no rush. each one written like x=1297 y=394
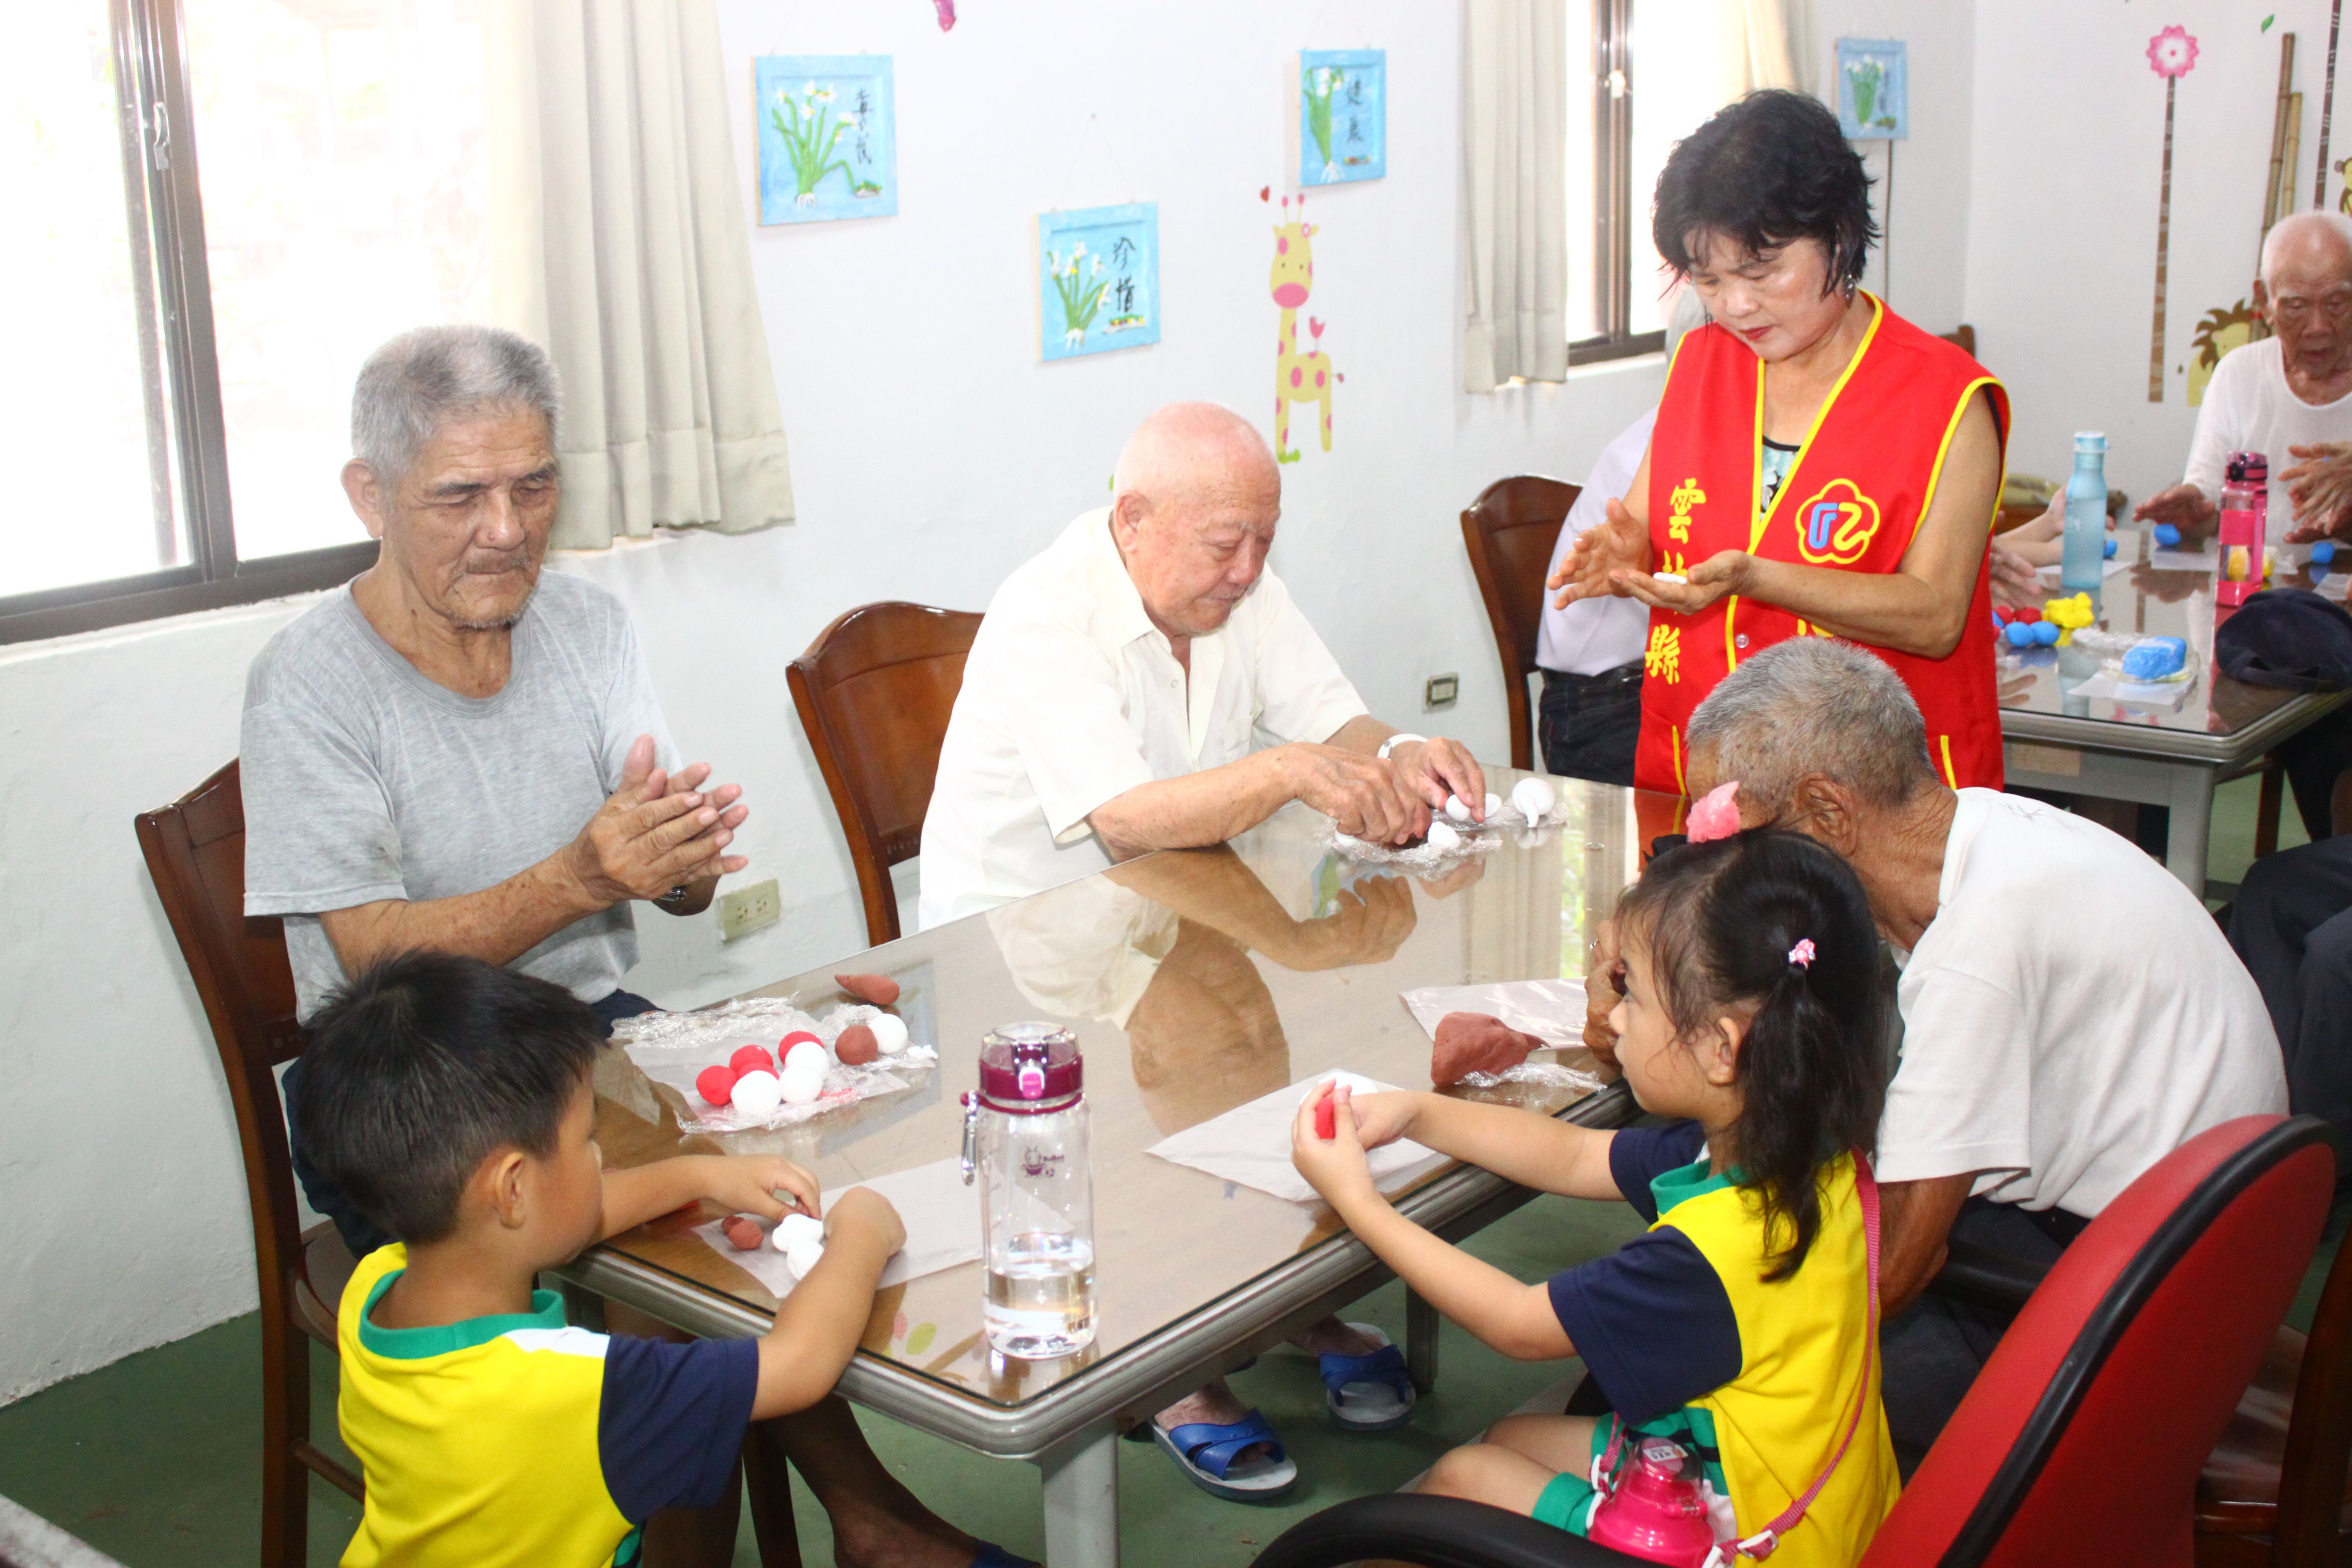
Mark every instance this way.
x=2171 y=745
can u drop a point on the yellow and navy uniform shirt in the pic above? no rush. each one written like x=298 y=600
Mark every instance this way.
x=1758 y=1377
x=517 y=1440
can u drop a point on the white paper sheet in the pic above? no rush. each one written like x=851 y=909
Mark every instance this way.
x=1250 y=1144
x=942 y=1217
x=2198 y=560
x=1552 y=1010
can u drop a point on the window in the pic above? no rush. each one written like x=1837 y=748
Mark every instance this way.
x=1629 y=119
x=195 y=338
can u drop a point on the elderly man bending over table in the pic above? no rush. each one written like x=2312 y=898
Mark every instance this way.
x=1111 y=706
x=2070 y=1011
x=460 y=752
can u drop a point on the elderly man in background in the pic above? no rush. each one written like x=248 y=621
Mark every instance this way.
x=2288 y=397
x=459 y=750
x=1112 y=705
x=1113 y=700
x=2045 y=1061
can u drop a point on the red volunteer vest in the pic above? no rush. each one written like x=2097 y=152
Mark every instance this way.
x=1854 y=495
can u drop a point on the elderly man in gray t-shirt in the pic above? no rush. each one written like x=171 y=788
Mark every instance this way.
x=457 y=751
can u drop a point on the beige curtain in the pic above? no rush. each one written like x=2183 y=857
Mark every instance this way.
x=1514 y=191
x=1766 y=43
x=619 y=242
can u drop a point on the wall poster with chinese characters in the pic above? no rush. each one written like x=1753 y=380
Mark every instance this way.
x=1343 y=115
x=1099 y=279
x=828 y=137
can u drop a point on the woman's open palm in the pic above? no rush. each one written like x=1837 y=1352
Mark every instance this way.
x=1623 y=542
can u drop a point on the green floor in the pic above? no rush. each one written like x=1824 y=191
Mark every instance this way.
x=155 y=1458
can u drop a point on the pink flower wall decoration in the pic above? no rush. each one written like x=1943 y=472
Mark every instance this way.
x=2172 y=52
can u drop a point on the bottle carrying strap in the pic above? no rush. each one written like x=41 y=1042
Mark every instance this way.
x=1762 y=1543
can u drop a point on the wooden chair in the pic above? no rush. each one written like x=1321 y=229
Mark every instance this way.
x=1509 y=532
x=195 y=852
x=873 y=692
x=2274 y=1495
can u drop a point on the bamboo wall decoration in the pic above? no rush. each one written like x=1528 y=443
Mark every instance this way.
x=2170 y=54
x=2326 y=109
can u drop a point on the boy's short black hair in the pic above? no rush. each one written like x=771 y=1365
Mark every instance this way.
x=424 y=1065
x=1772 y=168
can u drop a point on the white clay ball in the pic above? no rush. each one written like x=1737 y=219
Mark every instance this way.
x=1457 y=808
x=757 y=1093
x=890 y=1033
x=1443 y=838
x=804 y=1256
x=807 y=1057
x=800 y=1086
x=1493 y=803
x=1533 y=797
x=798 y=1228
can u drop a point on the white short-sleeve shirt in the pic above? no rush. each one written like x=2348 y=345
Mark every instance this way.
x=2249 y=407
x=1071 y=697
x=2071 y=1015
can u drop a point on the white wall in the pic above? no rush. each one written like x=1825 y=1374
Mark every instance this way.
x=1926 y=226
x=2069 y=146
x=931 y=452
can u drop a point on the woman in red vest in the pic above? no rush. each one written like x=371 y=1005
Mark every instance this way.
x=1819 y=467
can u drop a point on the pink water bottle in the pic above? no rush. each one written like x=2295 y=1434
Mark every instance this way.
x=2245 y=528
x=1656 y=1510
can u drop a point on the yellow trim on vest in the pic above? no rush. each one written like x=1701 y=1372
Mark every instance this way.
x=1674 y=736
x=1935 y=473
x=1950 y=777
x=1760 y=519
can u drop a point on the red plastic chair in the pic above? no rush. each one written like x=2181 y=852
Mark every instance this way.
x=2083 y=1439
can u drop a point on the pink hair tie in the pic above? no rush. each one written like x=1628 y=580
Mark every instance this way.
x=1714 y=814
x=1801 y=955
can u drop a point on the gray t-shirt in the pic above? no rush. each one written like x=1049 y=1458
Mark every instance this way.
x=365 y=780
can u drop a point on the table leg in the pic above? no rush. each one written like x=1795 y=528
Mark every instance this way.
x=1419 y=1340
x=2192 y=808
x=1082 y=1501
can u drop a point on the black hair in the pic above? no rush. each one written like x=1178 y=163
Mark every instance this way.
x=426 y=1064
x=1719 y=921
x=1770 y=168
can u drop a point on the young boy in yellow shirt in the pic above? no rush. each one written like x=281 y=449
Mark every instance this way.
x=450 y=1098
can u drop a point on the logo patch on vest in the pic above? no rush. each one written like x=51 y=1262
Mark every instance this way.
x=1836 y=525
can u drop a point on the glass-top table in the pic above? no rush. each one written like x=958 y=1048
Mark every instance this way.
x=1196 y=981
x=2069 y=727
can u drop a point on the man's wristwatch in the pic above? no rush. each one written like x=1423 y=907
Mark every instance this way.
x=675 y=896
x=1399 y=739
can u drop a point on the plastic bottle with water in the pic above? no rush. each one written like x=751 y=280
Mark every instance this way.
x=1026 y=1140
x=2081 y=566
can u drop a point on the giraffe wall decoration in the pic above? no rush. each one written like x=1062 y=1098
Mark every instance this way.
x=1298 y=377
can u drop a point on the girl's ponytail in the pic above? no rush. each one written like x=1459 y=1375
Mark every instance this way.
x=1772 y=923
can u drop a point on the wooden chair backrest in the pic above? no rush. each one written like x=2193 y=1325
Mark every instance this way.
x=1963 y=337
x=2312 y=1472
x=1509 y=532
x=195 y=852
x=874 y=691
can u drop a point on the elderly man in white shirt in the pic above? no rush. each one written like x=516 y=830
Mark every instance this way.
x=1119 y=699
x=1117 y=695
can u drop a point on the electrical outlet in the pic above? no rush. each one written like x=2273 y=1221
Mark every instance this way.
x=748 y=909
x=1440 y=690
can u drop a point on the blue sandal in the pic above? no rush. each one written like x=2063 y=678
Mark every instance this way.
x=1210 y=1456
x=1367 y=1393
x=994 y=1556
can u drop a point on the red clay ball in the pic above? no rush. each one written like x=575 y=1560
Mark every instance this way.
x=784 y=1046
x=745 y=1058
x=857 y=1046
x=715 y=1085
x=743 y=1233
x=879 y=990
x=2025 y=613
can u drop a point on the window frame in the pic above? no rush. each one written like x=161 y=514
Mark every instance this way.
x=1613 y=187
x=181 y=375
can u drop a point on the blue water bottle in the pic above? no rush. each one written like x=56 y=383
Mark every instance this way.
x=2086 y=516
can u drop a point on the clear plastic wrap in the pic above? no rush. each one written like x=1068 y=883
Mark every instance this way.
x=670 y=1049
x=1478 y=838
x=1552 y=1010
